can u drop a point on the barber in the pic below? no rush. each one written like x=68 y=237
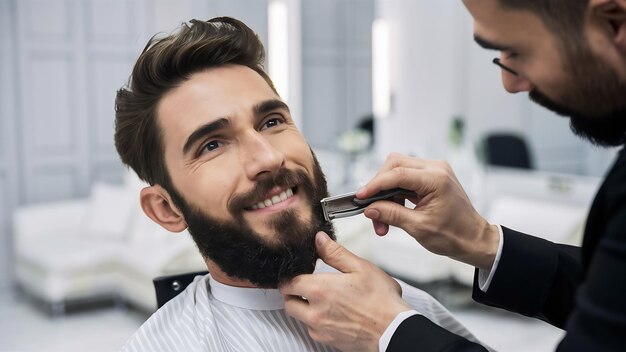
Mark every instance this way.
x=570 y=56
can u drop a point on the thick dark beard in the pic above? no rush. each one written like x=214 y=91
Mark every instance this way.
x=595 y=103
x=241 y=252
x=606 y=130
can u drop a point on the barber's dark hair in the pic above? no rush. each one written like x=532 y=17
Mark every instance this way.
x=564 y=18
x=164 y=64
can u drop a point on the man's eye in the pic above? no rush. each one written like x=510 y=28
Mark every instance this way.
x=210 y=146
x=271 y=123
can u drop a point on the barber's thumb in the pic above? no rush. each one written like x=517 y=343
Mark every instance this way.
x=334 y=254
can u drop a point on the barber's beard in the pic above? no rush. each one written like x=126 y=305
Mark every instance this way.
x=595 y=101
x=242 y=253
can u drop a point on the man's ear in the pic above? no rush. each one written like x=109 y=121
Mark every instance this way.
x=158 y=205
x=614 y=13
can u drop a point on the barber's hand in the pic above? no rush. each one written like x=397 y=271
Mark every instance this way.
x=443 y=220
x=348 y=310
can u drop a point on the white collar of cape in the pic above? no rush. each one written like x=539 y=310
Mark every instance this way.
x=254 y=298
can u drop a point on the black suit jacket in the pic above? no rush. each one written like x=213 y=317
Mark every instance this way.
x=580 y=289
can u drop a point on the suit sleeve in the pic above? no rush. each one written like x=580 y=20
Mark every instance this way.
x=535 y=277
x=546 y=280
x=417 y=333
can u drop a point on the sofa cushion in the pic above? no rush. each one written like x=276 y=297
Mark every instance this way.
x=68 y=253
x=110 y=211
x=153 y=259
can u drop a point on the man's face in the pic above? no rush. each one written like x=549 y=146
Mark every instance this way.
x=588 y=87
x=245 y=179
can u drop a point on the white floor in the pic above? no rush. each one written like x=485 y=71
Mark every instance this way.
x=24 y=328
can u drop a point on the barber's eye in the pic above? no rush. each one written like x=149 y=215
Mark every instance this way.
x=271 y=123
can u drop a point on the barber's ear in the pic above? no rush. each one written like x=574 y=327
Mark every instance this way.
x=614 y=13
x=158 y=205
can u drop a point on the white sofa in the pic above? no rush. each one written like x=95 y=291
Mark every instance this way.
x=102 y=245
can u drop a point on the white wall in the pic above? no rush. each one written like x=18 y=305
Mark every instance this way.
x=336 y=67
x=425 y=76
x=438 y=73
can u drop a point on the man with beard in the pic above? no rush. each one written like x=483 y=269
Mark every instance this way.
x=570 y=55
x=201 y=122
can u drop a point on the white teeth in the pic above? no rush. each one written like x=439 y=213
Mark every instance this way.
x=283 y=196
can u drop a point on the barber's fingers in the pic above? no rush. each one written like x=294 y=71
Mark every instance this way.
x=335 y=255
x=422 y=182
x=393 y=214
x=395 y=160
x=297 y=307
x=304 y=285
x=380 y=228
x=398 y=160
x=301 y=310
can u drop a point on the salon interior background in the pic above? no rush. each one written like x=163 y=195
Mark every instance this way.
x=62 y=60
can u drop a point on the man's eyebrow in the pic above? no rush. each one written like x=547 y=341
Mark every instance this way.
x=203 y=131
x=259 y=109
x=485 y=44
x=269 y=105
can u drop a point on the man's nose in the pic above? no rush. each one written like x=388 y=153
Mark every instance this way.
x=259 y=156
x=515 y=83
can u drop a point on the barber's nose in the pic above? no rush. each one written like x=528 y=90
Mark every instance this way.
x=512 y=80
x=259 y=156
x=515 y=83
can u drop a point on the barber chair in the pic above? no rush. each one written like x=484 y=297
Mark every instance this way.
x=168 y=287
x=507 y=150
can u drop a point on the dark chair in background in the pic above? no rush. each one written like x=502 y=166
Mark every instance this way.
x=168 y=287
x=508 y=150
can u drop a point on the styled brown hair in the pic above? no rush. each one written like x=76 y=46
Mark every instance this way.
x=164 y=64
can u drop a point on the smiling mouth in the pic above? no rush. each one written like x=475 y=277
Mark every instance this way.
x=273 y=200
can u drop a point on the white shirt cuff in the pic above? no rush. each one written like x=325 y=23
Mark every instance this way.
x=384 y=340
x=484 y=276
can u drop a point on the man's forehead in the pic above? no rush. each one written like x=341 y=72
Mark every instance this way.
x=224 y=92
x=220 y=89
